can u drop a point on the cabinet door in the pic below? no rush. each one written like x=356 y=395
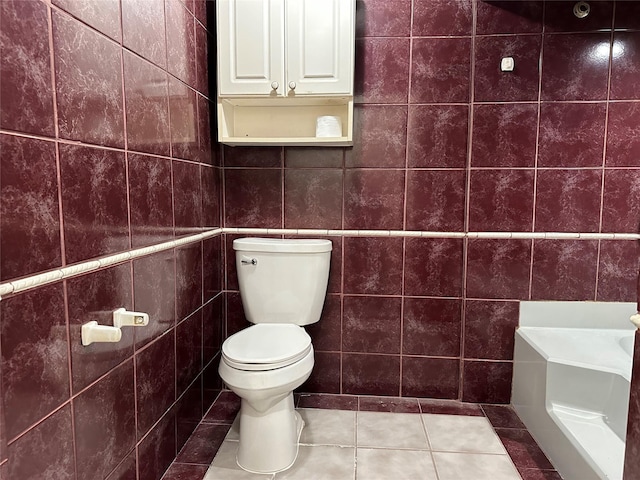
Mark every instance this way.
x=250 y=46
x=320 y=46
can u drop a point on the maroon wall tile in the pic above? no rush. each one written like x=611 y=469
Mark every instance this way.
x=206 y=112
x=126 y=470
x=211 y=192
x=383 y=18
x=433 y=267
x=380 y=137
x=623 y=146
x=430 y=377
x=313 y=198
x=371 y=374
x=431 y=326
x=493 y=85
x=201 y=53
x=617 y=272
x=103 y=15
x=143 y=29
x=188 y=351
x=154 y=290
x=568 y=200
x=442 y=17
x=501 y=200
x=436 y=200
x=559 y=17
x=188 y=280
x=35 y=455
x=440 y=70
x=211 y=267
x=187 y=197
x=105 y=428
x=371 y=324
x=627 y=15
x=188 y=412
x=325 y=377
x=255 y=199
x=150 y=199
x=498 y=268
x=326 y=334
x=155 y=382
x=373 y=265
x=486 y=382
x=564 y=270
x=311 y=157
x=147 y=106
x=88 y=84
x=437 y=136
x=158 y=449
x=381 y=70
x=29 y=215
x=621 y=208
x=509 y=17
x=184 y=127
x=489 y=329
x=504 y=135
x=93 y=298
x=373 y=199
x=212 y=323
x=94 y=196
x=260 y=157
x=571 y=134
x=35 y=368
x=26 y=97
x=181 y=42
x=624 y=67
x=575 y=66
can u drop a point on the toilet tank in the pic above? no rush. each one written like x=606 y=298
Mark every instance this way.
x=282 y=281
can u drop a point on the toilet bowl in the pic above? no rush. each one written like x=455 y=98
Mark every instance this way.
x=282 y=284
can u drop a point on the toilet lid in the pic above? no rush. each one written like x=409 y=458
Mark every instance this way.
x=266 y=346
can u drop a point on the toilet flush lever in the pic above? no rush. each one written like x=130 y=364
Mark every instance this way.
x=249 y=261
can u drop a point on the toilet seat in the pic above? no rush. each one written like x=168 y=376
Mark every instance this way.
x=266 y=346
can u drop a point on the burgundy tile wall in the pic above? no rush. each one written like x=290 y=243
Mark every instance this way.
x=121 y=77
x=445 y=141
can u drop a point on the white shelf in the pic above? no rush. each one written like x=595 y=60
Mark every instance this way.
x=282 y=121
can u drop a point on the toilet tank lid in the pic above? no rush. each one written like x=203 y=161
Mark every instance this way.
x=279 y=245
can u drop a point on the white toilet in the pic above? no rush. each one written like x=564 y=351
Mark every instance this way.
x=283 y=284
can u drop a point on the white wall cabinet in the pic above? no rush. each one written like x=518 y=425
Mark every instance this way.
x=298 y=51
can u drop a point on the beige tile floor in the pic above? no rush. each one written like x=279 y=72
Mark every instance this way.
x=346 y=445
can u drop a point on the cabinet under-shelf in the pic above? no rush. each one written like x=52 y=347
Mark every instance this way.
x=282 y=121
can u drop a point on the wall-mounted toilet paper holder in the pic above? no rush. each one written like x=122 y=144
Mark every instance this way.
x=93 y=333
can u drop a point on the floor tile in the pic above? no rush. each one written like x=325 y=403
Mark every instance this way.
x=466 y=466
x=386 y=404
x=182 y=471
x=461 y=434
x=335 y=402
x=224 y=466
x=502 y=416
x=224 y=410
x=382 y=464
x=328 y=427
x=450 y=407
x=523 y=449
x=203 y=444
x=391 y=430
x=321 y=463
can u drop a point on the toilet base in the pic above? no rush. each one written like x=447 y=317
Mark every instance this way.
x=269 y=440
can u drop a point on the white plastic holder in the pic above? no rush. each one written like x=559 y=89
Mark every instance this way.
x=635 y=319
x=123 y=318
x=507 y=64
x=92 y=333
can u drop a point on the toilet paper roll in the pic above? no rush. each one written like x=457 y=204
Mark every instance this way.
x=328 y=126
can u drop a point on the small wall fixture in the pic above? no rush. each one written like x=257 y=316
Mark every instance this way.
x=581 y=9
x=94 y=333
x=507 y=64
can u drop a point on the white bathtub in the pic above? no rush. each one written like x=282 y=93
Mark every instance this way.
x=571 y=377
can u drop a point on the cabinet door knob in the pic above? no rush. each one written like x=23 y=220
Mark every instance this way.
x=292 y=85
x=275 y=85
